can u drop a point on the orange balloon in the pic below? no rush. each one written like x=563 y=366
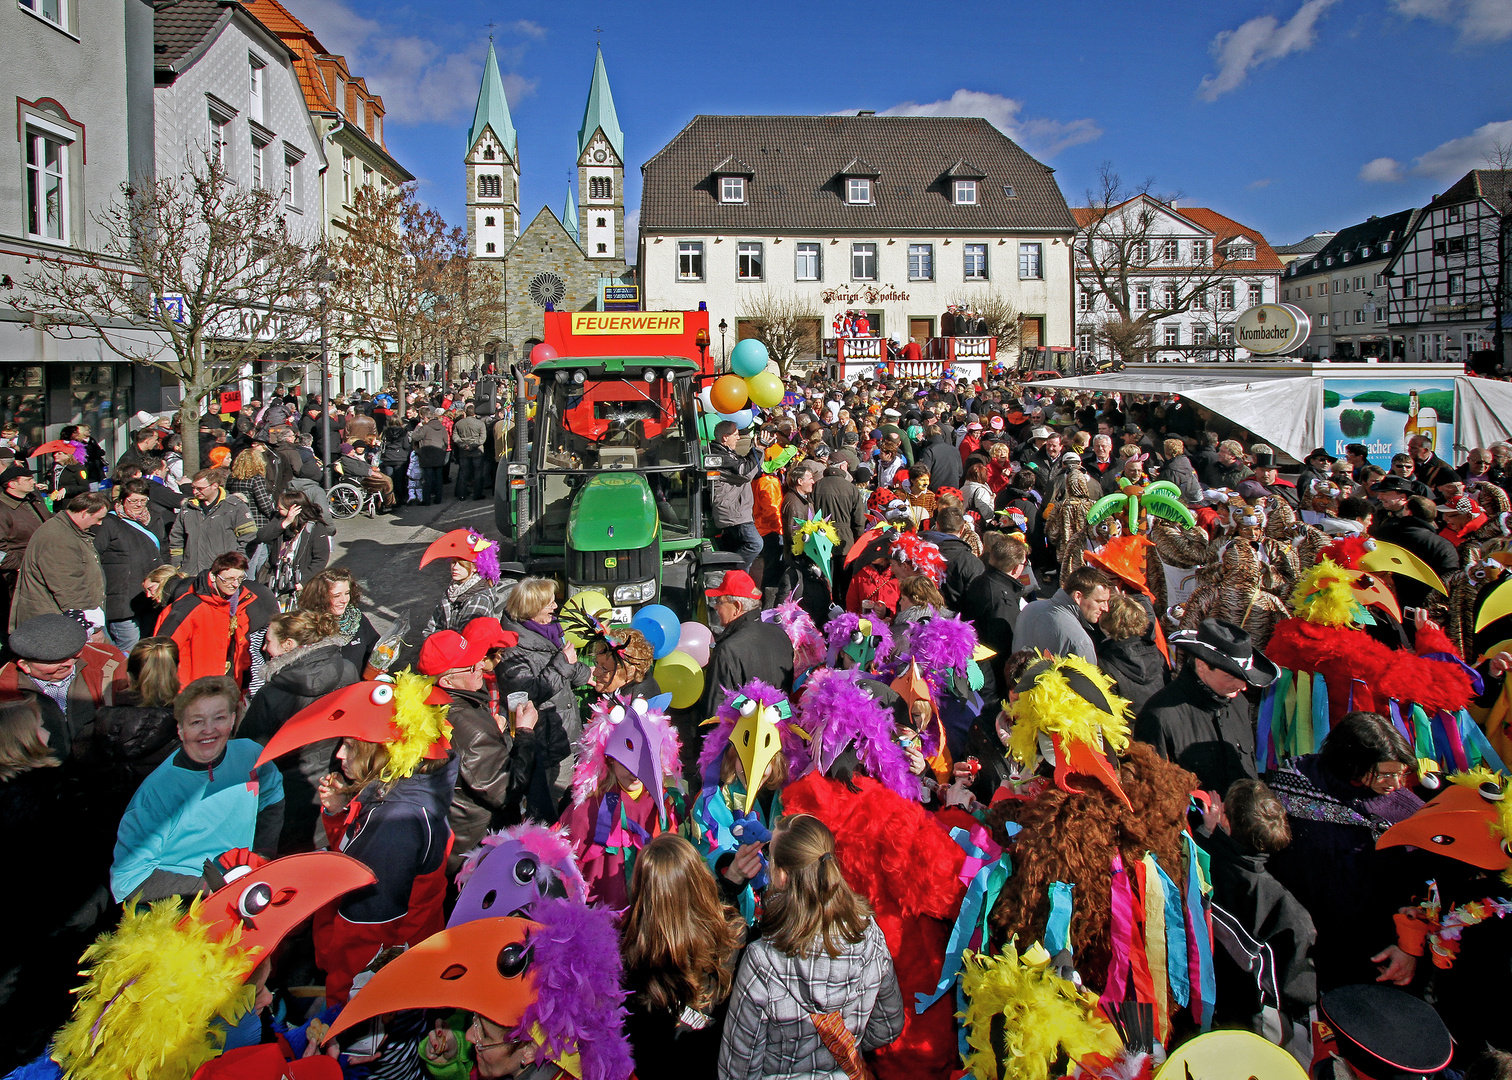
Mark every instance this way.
x=729 y=394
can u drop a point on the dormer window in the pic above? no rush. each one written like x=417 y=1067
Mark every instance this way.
x=1241 y=250
x=965 y=192
x=858 y=190
x=732 y=189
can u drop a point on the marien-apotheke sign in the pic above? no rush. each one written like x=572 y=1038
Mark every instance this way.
x=1271 y=329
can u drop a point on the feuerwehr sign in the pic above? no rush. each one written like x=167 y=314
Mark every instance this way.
x=1271 y=329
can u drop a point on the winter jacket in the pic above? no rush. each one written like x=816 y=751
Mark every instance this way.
x=748 y=649
x=185 y=813
x=468 y=436
x=129 y=551
x=993 y=606
x=298 y=678
x=308 y=549
x=130 y=741
x=258 y=494
x=454 y=613
x=206 y=531
x=69 y=479
x=795 y=511
x=99 y=680
x=943 y=463
x=768 y=1030
x=19 y=519
x=1421 y=539
x=211 y=630
x=495 y=772
x=1220 y=475
x=838 y=499
x=1180 y=472
x=962 y=568
x=430 y=441
x=731 y=498
x=359 y=646
x=60 y=571
x=1206 y=734
x=396 y=444
x=1056 y=626
x=1137 y=668
x=537 y=667
x=399 y=831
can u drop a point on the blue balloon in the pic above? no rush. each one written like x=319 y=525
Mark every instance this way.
x=748 y=357
x=741 y=419
x=660 y=627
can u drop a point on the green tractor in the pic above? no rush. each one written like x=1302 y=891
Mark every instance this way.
x=610 y=494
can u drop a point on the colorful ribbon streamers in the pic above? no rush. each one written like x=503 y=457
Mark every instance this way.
x=1155 y=939
x=1199 y=935
x=1122 y=932
x=980 y=897
x=1058 y=924
x=1319 y=710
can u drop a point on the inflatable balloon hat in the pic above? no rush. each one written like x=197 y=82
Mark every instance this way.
x=639 y=735
x=757 y=722
x=511 y=870
x=816 y=538
x=1160 y=498
x=406 y=716
x=468 y=545
x=840 y=714
x=868 y=642
x=163 y=987
x=553 y=980
x=1068 y=716
x=782 y=459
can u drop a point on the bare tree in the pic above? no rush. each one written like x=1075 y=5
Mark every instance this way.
x=196 y=276
x=996 y=310
x=1123 y=263
x=786 y=323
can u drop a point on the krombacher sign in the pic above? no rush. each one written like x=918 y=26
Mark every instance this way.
x=1271 y=329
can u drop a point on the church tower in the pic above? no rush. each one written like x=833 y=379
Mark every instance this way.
x=493 y=169
x=601 y=173
x=570 y=216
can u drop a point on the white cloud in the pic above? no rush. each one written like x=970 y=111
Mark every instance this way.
x=1041 y=136
x=1453 y=159
x=1478 y=21
x=421 y=81
x=1260 y=41
x=1256 y=185
x=1381 y=170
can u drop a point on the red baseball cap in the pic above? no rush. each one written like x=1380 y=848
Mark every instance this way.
x=448 y=651
x=490 y=632
x=736 y=583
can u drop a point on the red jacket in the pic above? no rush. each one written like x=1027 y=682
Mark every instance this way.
x=100 y=679
x=210 y=640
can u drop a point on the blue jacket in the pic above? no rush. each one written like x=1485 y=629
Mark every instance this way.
x=185 y=813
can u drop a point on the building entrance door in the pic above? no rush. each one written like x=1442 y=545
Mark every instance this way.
x=921 y=330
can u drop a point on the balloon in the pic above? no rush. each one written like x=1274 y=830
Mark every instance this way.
x=541 y=353
x=706 y=424
x=742 y=419
x=590 y=601
x=695 y=640
x=765 y=389
x=729 y=394
x=748 y=357
x=703 y=396
x=678 y=674
x=660 y=626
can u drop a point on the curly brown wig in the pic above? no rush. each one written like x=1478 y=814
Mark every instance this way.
x=1072 y=838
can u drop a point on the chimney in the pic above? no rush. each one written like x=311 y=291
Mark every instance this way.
x=1175 y=204
x=866 y=112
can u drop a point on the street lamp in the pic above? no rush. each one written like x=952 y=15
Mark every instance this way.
x=725 y=353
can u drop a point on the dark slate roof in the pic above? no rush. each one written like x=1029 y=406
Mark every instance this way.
x=1493 y=185
x=798 y=163
x=1354 y=241
x=182 y=28
x=1308 y=246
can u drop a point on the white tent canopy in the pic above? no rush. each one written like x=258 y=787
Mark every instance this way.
x=1282 y=403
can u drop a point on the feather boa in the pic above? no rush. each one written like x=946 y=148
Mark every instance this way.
x=808 y=643
x=714 y=743
x=542 y=841
x=577 y=971
x=418 y=724
x=940 y=646
x=591 y=772
x=836 y=712
x=912 y=550
x=841 y=631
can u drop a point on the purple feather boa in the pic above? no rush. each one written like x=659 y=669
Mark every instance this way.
x=578 y=973
x=488 y=559
x=837 y=711
x=793 y=746
x=940 y=646
x=839 y=631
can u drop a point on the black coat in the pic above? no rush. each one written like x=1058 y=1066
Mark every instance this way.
x=312 y=549
x=495 y=774
x=993 y=606
x=749 y=649
x=943 y=463
x=127 y=555
x=1137 y=667
x=1211 y=736
x=843 y=503
x=1422 y=539
x=962 y=568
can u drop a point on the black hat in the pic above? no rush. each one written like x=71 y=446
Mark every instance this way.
x=1320 y=452
x=13 y=472
x=48 y=639
x=1228 y=648
x=1132 y=429
x=1265 y=461
x=1385 y=1033
x=1395 y=483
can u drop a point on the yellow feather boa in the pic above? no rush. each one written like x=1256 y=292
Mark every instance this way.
x=419 y=725
x=1051 y=706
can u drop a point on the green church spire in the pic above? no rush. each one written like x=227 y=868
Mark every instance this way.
x=493 y=108
x=570 y=215
x=600 y=112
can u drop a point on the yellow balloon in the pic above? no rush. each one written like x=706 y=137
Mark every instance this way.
x=591 y=602
x=678 y=674
x=765 y=389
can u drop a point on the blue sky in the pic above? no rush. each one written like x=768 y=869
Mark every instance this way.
x=1288 y=115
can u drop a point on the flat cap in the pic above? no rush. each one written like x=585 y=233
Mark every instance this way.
x=48 y=639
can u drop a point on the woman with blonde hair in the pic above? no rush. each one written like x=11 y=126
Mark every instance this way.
x=818 y=988
x=680 y=944
x=137 y=733
x=544 y=665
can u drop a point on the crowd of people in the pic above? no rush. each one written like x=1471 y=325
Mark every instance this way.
x=1042 y=734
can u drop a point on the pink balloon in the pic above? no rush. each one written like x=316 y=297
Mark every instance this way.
x=541 y=353
x=695 y=640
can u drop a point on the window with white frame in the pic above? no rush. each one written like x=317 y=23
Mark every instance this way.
x=1256 y=295
x=1241 y=251
x=1359 y=283
x=1199 y=334
x=1200 y=252
x=858 y=189
x=732 y=189
x=806 y=262
x=255 y=91
x=1139 y=252
x=367 y=175
x=1085 y=343
x=1141 y=298
x=259 y=152
x=1456 y=283
x=340 y=94
x=1322 y=318
x=1031 y=261
x=1380 y=279
x=965 y=192
x=1359 y=317
x=748 y=261
x=1380 y=313
x=378 y=128
x=1170 y=297
x=220 y=138
x=53 y=11
x=292 y=159
x=920 y=262
x=1172 y=335
x=46 y=183
x=1409 y=289
x=346 y=177
x=1226 y=298
x=1086 y=300
x=1226 y=335
x=863 y=262
x=1199 y=300
x=975 y=265
x=1170 y=251
x=690 y=260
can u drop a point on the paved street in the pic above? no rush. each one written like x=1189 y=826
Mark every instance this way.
x=384 y=554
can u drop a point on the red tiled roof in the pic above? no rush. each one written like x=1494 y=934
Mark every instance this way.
x=1222 y=228
x=310 y=56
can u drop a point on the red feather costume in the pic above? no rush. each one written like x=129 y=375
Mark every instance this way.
x=900 y=857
